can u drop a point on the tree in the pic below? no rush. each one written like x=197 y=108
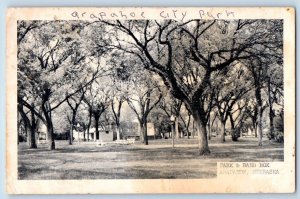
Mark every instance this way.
x=90 y=114
x=144 y=96
x=29 y=123
x=74 y=105
x=122 y=73
x=185 y=117
x=98 y=98
x=229 y=90
x=262 y=58
x=136 y=86
x=116 y=106
x=166 y=47
x=237 y=120
x=23 y=28
x=51 y=65
x=60 y=119
x=171 y=106
x=211 y=121
x=275 y=94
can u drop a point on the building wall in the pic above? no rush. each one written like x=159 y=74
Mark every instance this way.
x=150 y=129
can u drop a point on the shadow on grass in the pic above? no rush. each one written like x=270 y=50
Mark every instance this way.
x=156 y=161
x=135 y=172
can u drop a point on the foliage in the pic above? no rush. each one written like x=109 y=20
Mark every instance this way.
x=188 y=68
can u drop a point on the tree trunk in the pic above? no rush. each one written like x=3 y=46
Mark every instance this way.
x=193 y=132
x=208 y=132
x=176 y=127
x=145 y=134
x=19 y=128
x=50 y=135
x=202 y=135
x=271 y=112
x=271 y=117
x=49 y=125
x=71 y=134
x=97 y=127
x=188 y=125
x=32 y=141
x=118 y=131
x=88 y=133
x=142 y=137
x=72 y=128
x=28 y=125
x=234 y=137
x=117 y=116
x=89 y=125
x=185 y=126
x=259 y=126
x=84 y=132
x=209 y=129
x=222 y=140
x=173 y=133
x=254 y=124
x=259 y=116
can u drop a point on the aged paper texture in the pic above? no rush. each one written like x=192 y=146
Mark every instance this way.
x=150 y=100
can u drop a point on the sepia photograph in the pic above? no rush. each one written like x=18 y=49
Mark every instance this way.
x=120 y=95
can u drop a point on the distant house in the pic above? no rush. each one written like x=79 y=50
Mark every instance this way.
x=106 y=132
x=150 y=129
x=105 y=135
x=133 y=129
x=41 y=135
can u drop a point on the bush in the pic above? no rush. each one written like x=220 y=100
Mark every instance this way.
x=22 y=138
x=270 y=135
x=279 y=136
x=235 y=134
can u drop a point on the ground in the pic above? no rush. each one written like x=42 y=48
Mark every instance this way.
x=136 y=161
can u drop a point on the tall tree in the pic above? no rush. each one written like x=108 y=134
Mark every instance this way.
x=98 y=98
x=166 y=47
x=237 y=118
x=144 y=96
x=275 y=94
x=172 y=106
x=29 y=123
x=52 y=64
x=230 y=89
x=266 y=54
x=74 y=103
x=116 y=106
x=122 y=72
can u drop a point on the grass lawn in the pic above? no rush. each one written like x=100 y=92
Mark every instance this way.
x=86 y=160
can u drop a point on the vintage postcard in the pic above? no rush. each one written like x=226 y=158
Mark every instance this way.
x=150 y=100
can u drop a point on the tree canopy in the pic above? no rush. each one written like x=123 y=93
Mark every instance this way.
x=232 y=68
